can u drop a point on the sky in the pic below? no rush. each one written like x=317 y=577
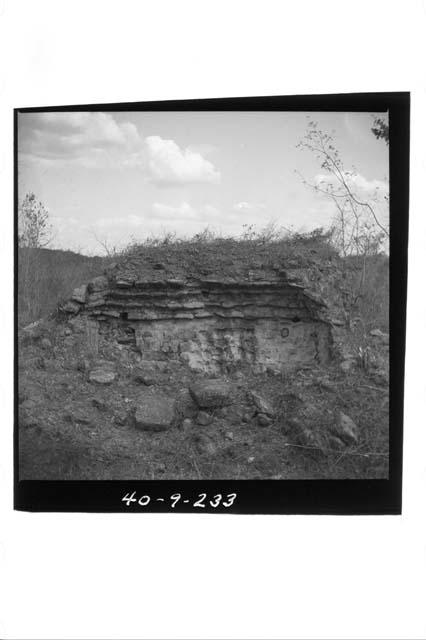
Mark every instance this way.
x=109 y=177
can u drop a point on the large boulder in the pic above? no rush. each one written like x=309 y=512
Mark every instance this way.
x=155 y=413
x=210 y=394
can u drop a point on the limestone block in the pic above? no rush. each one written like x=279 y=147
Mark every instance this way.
x=204 y=418
x=262 y=405
x=193 y=305
x=98 y=284
x=71 y=307
x=79 y=294
x=210 y=394
x=102 y=376
x=345 y=428
x=155 y=413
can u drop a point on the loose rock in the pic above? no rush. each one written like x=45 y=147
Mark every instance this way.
x=185 y=404
x=77 y=414
x=98 y=284
x=327 y=386
x=102 y=376
x=264 y=420
x=234 y=415
x=83 y=364
x=380 y=377
x=121 y=418
x=79 y=294
x=211 y=394
x=70 y=307
x=336 y=443
x=345 y=428
x=155 y=413
x=204 y=445
x=145 y=379
x=221 y=412
x=32 y=332
x=204 y=418
x=247 y=416
x=99 y=404
x=262 y=405
x=347 y=365
x=380 y=336
x=38 y=362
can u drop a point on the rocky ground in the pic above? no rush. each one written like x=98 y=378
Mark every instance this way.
x=111 y=415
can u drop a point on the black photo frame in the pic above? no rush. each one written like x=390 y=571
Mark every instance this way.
x=348 y=497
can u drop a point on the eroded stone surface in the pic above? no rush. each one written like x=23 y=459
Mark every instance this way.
x=79 y=294
x=218 y=311
x=102 y=376
x=204 y=418
x=262 y=405
x=210 y=394
x=345 y=428
x=155 y=413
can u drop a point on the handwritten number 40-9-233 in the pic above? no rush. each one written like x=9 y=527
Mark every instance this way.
x=216 y=501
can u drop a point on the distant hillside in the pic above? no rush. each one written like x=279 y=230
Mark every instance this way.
x=46 y=276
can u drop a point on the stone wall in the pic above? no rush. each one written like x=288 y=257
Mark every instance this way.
x=211 y=324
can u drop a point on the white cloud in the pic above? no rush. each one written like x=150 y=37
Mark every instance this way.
x=131 y=220
x=97 y=140
x=184 y=212
x=160 y=213
x=357 y=182
x=170 y=212
x=170 y=165
x=374 y=192
x=92 y=139
x=247 y=207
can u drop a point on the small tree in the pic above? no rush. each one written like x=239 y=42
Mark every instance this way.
x=34 y=229
x=354 y=213
x=357 y=233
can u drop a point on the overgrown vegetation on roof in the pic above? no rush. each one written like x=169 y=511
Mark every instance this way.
x=207 y=254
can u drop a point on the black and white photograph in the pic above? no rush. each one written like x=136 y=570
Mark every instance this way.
x=203 y=295
x=212 y=258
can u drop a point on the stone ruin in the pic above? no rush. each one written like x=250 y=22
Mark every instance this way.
x=175 y=337
x=255 y=312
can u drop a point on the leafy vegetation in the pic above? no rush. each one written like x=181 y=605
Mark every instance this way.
x=46 y=276
x=380 y=129
x=34 y=229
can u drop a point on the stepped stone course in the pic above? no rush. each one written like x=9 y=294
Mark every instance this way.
x=214 y=311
